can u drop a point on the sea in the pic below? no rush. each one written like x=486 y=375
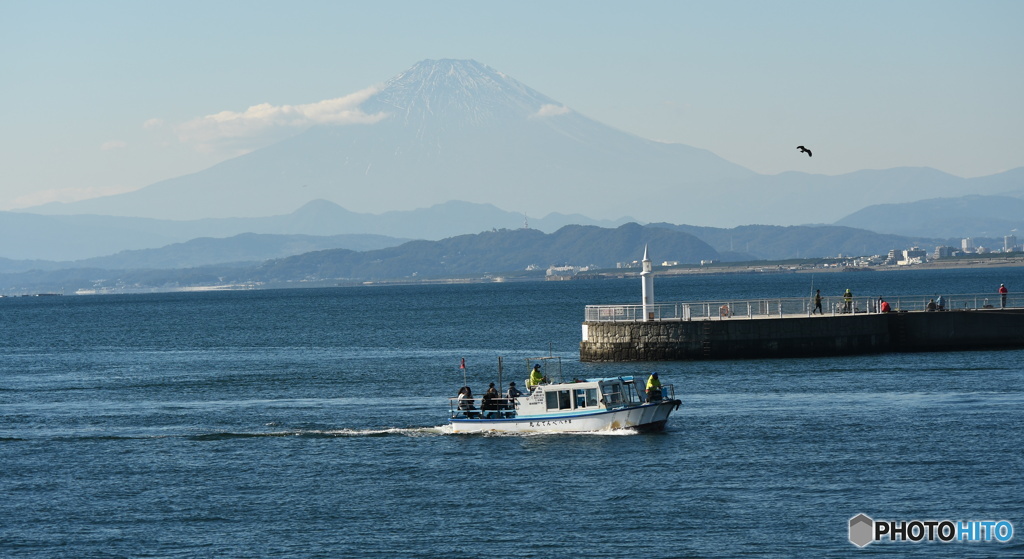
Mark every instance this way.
x=313 y=423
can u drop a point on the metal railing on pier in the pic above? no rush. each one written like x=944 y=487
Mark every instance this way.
x=779 y=307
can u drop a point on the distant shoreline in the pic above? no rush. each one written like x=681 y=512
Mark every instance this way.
x=775 y=268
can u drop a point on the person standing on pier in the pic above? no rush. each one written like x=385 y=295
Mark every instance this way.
x=847 y=301
x=817 y=302
x=1002 y=295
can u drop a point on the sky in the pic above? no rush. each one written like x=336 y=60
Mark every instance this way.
x=103 y=97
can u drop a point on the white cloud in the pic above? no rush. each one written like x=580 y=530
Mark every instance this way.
x=261 y=122
x=113 y=144
x=153 y=123
x=551 y=110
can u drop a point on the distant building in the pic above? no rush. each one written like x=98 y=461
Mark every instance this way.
x=893 y=257
x=944 y=252
x=913 y=255
x=566 y=270
x=967 y=245
x=1010 y=243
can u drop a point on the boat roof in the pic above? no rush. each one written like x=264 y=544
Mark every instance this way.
x=624 y=378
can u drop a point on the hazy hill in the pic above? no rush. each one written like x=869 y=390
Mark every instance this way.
x=80 y=237
x=965 y=216
x=772 y=242
x=493 y=252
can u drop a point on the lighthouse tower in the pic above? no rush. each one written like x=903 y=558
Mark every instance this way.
x=648 y=287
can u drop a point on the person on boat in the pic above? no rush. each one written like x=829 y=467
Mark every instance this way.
x=536 y=377
x=488 y=403
x=512 y=394
x=466 y=398
x=653 y=388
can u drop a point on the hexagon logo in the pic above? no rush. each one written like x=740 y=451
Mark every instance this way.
x=861 y=530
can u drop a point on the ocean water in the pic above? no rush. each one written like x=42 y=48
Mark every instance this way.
x=311 y=423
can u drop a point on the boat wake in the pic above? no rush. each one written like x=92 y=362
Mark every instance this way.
x=327 y=433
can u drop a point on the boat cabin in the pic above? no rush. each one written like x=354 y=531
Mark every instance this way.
x=564 y=398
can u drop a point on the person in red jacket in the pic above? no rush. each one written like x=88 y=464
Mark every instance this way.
x=1002 y=295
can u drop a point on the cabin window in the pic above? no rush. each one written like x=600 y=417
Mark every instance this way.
x=559 y=400
x=586 y=398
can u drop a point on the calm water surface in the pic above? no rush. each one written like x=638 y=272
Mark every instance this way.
x=310 y=423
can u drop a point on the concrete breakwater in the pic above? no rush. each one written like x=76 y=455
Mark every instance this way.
x=802 y=335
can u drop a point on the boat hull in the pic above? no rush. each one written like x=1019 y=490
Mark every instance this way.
x=643 y=417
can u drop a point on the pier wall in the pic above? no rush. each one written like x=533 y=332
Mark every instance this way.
x=801 y=336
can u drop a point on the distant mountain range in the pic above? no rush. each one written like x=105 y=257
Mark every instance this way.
x=459 y=130
x=772 y=242
x=492 y=253
x=965 y=216
x=500 y=252
x=79 y=238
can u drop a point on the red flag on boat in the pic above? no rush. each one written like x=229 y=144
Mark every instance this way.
x=463 y=364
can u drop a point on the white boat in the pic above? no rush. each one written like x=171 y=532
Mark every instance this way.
x=598 y=404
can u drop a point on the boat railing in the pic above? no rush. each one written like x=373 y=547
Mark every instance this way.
x=502 y=407
x=789 y=306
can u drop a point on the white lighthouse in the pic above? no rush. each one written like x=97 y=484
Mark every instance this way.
x=648 y=287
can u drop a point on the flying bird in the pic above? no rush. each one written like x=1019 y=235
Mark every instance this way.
x=805 y=150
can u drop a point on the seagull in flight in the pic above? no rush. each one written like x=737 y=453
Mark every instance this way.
x=805 y=150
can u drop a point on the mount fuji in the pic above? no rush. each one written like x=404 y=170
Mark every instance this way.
x=454 y=130
x=457 y=130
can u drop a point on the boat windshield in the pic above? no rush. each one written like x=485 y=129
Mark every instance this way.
x=613 y=394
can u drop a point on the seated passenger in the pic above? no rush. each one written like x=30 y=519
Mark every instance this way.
x=466 y=402
x=488 y=404
x=512 y=394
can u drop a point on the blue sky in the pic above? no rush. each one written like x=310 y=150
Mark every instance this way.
x=102 y=97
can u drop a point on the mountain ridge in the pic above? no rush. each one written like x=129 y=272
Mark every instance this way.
x=78 y=237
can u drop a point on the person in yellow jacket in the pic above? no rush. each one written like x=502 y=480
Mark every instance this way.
x=653 y=388
x=536 y=377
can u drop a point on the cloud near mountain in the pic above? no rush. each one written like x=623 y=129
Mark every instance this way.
x=265 y=122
